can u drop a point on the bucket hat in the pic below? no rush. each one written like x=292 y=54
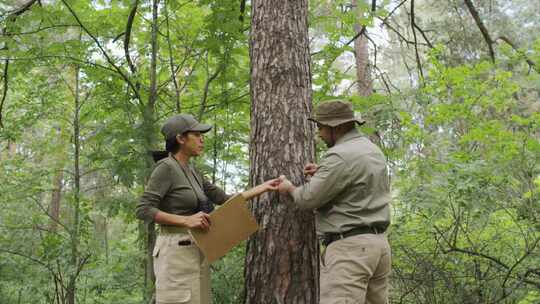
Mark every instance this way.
x=334 y=113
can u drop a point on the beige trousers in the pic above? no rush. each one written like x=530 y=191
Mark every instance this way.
x=355 y=270
x=182 y=272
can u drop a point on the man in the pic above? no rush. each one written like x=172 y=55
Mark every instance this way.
x=350 y=192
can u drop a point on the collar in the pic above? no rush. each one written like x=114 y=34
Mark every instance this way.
x=352 y=134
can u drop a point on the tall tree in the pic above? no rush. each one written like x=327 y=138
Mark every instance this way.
x=361 y=54
x=149 y=122
x=282 y=258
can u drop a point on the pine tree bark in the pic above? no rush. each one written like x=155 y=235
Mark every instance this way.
x=363 y=72
x=361 y=54
x=282 y=257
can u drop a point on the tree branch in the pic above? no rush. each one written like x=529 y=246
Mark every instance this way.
x=422 y=32
x=527 y=59
x=525 y=255
x=205 y=93
x=62 y=57
x=152 y=96
x=39 y=262
x=4 y=91
x=171 y=59
x=363 y=29
x=40 y=29
x=418 y=61
x=12 y=15
x=107 y=57
x=395 y=9
x=360 y=33
x=127 y=36
x=400 y=35
x=482 y=27
x=22 y=9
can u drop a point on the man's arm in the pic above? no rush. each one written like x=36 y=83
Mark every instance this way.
x=325 y=184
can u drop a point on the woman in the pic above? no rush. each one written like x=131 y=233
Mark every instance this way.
x=177 y=198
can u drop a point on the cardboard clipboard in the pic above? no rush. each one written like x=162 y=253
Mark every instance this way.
x=230 y=224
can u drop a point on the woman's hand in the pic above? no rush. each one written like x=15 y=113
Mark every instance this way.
x=199 y=220
x=269 y=185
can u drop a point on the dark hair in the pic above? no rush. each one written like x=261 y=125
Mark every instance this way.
x=159 y=155
x=171 y=147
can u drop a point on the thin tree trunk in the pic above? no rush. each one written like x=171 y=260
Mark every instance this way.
x=149 y=128
x=12 y=149
x=214 y=152
x=59 y=160
x=71 y=290
x=282 y=257
x=363 y=72
x=56 y=196
x=361 y=52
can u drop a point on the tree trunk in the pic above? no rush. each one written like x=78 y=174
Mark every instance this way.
x=363 y=73
x=282 y=257
x=149 y=128
x=59 y=161
x=12 y=149
x=74 y=234
x=56 y=196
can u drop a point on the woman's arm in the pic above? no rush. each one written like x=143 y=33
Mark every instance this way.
x=269 y=185
x=157 y=186
x=198 y=220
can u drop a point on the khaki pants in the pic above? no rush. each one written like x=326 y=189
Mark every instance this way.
x=355 y=270
x=182 y=271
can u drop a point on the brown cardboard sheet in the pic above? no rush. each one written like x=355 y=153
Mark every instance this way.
x=230 y=224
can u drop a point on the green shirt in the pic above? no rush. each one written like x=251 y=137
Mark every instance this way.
x=175 y=190
x=350 y=188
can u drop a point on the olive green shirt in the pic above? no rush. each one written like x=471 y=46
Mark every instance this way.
x=175 y=190
x=350 y=188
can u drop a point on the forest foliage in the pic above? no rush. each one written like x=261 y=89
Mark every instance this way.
x=456 y=111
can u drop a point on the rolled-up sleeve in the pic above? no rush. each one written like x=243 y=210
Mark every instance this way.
x=158 y=185
x=329 y=180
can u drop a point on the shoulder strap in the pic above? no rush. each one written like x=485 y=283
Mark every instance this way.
x=204 y=204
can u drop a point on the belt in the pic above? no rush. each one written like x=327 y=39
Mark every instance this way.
x=328 y=238
x=172 y=231
x=165 y=229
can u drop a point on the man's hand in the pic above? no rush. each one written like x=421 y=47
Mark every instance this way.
x=285 y=186
x=310 y=169
x=198 y=220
